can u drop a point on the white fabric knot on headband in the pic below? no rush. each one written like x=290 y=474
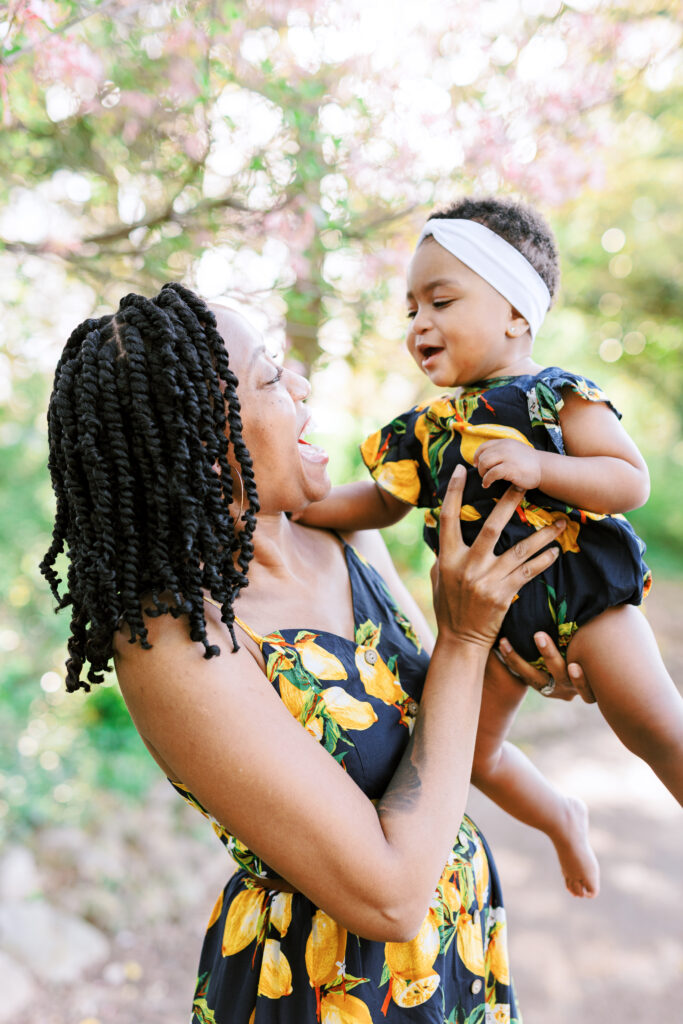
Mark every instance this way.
x=498 y=262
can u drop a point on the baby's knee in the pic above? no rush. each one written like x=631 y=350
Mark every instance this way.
x=484 y=762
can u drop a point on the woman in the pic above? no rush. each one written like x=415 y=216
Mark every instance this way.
x=342 y=910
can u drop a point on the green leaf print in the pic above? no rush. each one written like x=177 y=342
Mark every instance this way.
x=386 y=974
x=200 y=1008
x=467 y=403
x=545 y=406
x=435 y=451
x=478 y=1014
x=367 y=633
x=203 y=1012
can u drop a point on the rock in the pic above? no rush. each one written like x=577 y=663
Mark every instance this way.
x=17 y=988
x=19 y=876
x=54 y=945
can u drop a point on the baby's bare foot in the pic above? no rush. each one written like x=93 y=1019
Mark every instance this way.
x=577 y=860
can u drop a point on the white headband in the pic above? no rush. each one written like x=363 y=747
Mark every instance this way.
x=498 y=262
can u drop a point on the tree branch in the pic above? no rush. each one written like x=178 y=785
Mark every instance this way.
x=64 y=26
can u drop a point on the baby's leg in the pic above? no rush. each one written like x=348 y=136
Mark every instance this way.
x=619 y=654
x=509 y=778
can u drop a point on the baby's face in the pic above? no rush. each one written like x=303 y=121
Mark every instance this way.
x=461 y=329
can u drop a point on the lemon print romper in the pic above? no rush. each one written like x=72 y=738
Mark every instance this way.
x=413 y=457
x=273 y=957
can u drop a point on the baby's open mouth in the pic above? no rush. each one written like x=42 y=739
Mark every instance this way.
x=427 y=353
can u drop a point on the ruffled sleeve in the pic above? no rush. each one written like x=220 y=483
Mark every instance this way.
x=545 y=399
x=397 y=459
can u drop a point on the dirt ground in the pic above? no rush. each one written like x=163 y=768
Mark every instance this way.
x=616 y=958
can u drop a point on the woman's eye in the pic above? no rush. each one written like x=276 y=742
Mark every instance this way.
x=278 y=376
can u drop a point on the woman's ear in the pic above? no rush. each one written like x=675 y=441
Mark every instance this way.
x=517 y=325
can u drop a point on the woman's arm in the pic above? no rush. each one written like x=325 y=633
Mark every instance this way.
x=220 y=727
x=359 y=506
x=603 y=471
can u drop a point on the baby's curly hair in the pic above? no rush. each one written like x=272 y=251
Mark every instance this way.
x=518 y=224
x=143 y=412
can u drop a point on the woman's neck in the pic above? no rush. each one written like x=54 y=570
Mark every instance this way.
x=282 y=549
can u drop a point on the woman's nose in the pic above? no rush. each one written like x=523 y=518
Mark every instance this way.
x=299 y=386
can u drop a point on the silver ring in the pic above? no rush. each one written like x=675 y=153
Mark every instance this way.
x=549 y=687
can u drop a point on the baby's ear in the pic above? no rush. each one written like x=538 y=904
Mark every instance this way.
x=517 y=325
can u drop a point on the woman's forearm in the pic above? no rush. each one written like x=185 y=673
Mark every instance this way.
x=422 y=808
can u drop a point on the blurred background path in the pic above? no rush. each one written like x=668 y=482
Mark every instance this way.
x=104 y=925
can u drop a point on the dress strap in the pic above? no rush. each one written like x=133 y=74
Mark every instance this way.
x=247 y=629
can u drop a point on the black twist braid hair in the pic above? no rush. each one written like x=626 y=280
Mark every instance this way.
x=519 y=224
x=142 y=415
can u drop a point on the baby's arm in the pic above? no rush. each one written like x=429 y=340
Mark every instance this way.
x=603 y=471
x=361 y=506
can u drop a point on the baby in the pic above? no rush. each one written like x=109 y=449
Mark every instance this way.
x=479 y=284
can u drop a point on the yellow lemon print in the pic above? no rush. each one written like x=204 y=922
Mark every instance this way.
x=400 y=478
x=281 y=912
x=497 y=954
x=470 y=945
x=340 y=1008
x=318 y=661
x=241 y=924
x=540 y=517
x=275 y=979
x=346 y=710
x=474 y=435
x=376 y=676
x=314 y=726
x=370 y=449
x=480 y=865
x=414 y=993
x=216 y=912
x=469 y=514
x=415 y=959
x=423 y=434
x=292 y=697
x=451 y=897
x=325 y=948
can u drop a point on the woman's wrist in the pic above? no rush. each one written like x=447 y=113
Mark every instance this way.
x=464 y=647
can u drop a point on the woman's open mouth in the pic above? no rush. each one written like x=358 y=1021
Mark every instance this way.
x=311 y=452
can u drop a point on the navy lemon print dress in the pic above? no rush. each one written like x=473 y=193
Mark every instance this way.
x=272 y=957
x=601 y=562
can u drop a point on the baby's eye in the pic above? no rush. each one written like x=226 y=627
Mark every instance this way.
x=441 y=303
x=411 y=314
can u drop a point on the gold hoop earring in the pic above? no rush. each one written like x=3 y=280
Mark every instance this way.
x=239 y=476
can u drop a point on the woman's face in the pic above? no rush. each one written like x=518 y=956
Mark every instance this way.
x=289 y=472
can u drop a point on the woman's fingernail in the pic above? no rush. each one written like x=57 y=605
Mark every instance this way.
x=574 y=671
x=539 y=640
x=560 y=525
x=505 y=645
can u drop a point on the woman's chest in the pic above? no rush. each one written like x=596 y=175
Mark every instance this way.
x=358 y=698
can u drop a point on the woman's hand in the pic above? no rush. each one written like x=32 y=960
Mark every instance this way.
x=568 y=679
x=473 y=588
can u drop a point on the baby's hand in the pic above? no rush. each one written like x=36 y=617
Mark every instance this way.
x=509 y=460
